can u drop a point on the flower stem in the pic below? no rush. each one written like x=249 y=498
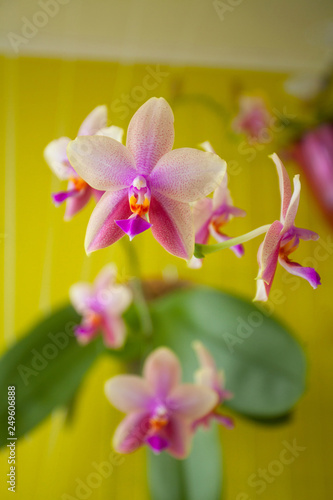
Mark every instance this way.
x=202 y=250
x=139 y=297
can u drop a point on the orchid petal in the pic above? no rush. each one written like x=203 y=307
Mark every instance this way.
x=187 y=174
x=269 y=252
x=202 y=212
x=190 y=401
x=75 y=203
x=102 y=162
x=114 y=132
x=207 y=147
x=97 y=194
x=221 y=194
x=79 y=295
x=114 y=331
x=162 y=371
x=105 y=278
x=219 y=237
x=150 y=134
x=195 y=263
x=206 y=360
x=178 y=434
x=296 y=269
x=128 y=393
x=263 y=290
x=131 y=433
x=56 y=157
x=285 y=186
x=102 y=231
x=306 y=234
x=96 y=120
x=172 y=226
x=224 y=420
x=293 y=205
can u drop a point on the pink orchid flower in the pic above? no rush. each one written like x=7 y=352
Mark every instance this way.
x=209 y=376
x=101 y=306
x=253 y=118
x=212 y=214
x=314 y=153
x=283 y=237
x=78 y=191
x=161 y=410
x=145 y=179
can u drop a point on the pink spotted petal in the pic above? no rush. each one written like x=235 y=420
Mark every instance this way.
x=132 y=432
x=179 y=436
x=76 y=203
x=187 y=174
x=134 y=225
x=306 y=234
x=96 y=120
x=150 y=134
x=269 y=252
x=102 y=162
x=191 y=401
x=285 y=186
x=202 y=212
x=114 y=331
x=307 y=273
x=172 y=226
x=128 y=393
x=56 y=157
x=293 y=206
x=102 y=231
x=162 y=371
x=220 y=237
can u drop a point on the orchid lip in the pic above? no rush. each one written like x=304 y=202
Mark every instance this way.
x=62 y=196
x=134 y=225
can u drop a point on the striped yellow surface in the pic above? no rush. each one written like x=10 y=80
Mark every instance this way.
x=42 y=256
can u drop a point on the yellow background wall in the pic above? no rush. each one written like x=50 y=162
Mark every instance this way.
x=42 y=256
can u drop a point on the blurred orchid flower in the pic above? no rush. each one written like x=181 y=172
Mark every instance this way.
x=209 y=376
x=253 y=118
x=78 y=192
x=212 y=214
x=161 y=410
x=101 y=306
x=147 y=184
x=282 y=238
x=314 y=153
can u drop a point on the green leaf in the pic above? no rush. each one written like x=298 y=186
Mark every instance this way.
x=197 y=477
x=46 y=367
x=264 y=365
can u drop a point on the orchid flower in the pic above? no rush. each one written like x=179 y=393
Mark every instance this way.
x=101 y=306
x=147 y=184
x=212 y=214
x=209 y=376
x=253 y=118
x=283 y=237
x=78 y=191
x=160 y=409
